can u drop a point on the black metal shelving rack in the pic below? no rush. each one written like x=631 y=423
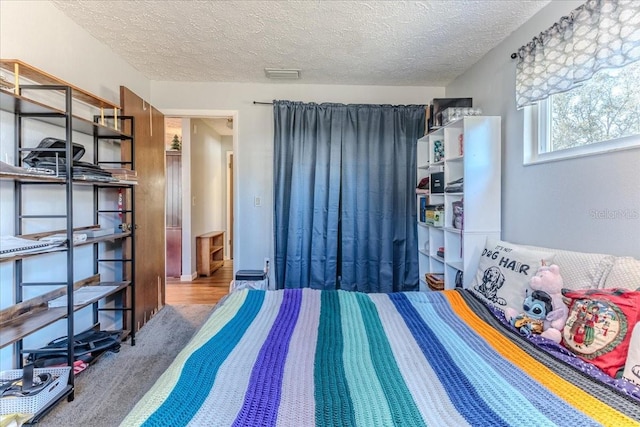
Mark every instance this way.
x=20 y=216
x=127 y=213
x=14 y=330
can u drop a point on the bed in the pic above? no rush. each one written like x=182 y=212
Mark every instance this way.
x=303 y=357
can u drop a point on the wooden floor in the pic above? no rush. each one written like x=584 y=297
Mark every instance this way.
x=203 y=290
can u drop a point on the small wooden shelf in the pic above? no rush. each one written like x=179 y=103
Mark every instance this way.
x=209 y=252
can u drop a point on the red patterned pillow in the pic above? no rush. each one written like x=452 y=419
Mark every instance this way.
x=599 y=325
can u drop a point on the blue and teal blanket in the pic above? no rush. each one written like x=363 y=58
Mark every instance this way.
x=305 y=357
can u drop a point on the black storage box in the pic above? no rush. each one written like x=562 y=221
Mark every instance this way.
x=251 y=275
x=437 y=182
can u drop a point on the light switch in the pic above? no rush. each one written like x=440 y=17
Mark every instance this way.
x=257 y=201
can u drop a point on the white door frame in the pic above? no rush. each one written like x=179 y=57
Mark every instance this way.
x=230 y=198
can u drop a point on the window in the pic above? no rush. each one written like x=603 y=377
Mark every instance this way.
x=602 y=114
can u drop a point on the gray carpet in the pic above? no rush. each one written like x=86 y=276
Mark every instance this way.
x=108 y=390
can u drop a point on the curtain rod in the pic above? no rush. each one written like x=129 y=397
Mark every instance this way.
x=557 y=26
x=262 y=103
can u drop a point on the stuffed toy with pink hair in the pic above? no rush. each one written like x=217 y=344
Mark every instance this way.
x=548 y=281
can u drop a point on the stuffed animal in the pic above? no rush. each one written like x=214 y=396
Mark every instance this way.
x=536 y=306
x=548 y=281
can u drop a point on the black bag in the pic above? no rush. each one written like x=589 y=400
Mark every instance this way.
x=87 y=346
x=42 y=157
x=42 y=153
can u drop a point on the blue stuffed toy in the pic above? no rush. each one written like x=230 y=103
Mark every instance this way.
x=536 y=306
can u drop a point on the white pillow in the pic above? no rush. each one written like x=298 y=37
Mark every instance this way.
x=632 y=366
x=504 y=272
x=625 y=273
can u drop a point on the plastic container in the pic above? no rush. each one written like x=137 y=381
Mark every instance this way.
x=37 y=402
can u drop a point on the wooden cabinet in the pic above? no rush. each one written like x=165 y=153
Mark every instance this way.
x=209 y=252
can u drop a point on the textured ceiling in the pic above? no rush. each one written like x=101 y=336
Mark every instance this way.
x=412 y=43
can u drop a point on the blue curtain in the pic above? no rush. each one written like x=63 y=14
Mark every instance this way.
x=345 y=205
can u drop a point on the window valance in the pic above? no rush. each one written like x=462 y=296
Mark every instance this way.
x=599 y=34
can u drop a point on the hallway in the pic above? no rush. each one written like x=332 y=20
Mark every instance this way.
x=203 y=290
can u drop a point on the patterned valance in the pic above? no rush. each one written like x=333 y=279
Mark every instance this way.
x=597 y=35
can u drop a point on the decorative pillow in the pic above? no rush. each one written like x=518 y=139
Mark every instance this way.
x=632 y=365
x=504 y=272
x=625 y=273
x=598 y=329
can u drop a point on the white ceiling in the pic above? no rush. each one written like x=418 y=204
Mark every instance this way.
x=410 y=43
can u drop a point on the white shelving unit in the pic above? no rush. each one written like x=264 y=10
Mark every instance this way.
x=472 y=151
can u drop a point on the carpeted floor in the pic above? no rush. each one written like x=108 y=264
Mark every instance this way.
x=108 y=390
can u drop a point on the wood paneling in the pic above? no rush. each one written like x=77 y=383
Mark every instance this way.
x=174 y=251
x=174 y=213
x=174 y=189
x=149 y=204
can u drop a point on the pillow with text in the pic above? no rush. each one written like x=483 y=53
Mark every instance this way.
x=504 y=272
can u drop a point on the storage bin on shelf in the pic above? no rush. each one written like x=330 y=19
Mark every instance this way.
x=435 y=281
x=434 y=215
x=37 y=402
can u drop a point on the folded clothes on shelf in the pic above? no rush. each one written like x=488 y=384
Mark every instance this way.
x=454 y=186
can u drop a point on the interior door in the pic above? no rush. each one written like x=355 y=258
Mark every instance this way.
x=149 y=204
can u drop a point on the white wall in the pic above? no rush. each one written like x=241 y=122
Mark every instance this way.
x=208 y=180
x=253 y=152
x=554 y=204
x=208 y=177
x=39 y=34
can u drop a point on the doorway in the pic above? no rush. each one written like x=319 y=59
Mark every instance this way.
x=197 y=194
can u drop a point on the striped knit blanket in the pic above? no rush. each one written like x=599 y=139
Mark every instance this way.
x=335 y=358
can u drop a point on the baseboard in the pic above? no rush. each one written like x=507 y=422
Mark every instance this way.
x=189 y=278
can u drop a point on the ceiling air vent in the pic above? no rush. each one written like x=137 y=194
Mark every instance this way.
x=281 y=73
